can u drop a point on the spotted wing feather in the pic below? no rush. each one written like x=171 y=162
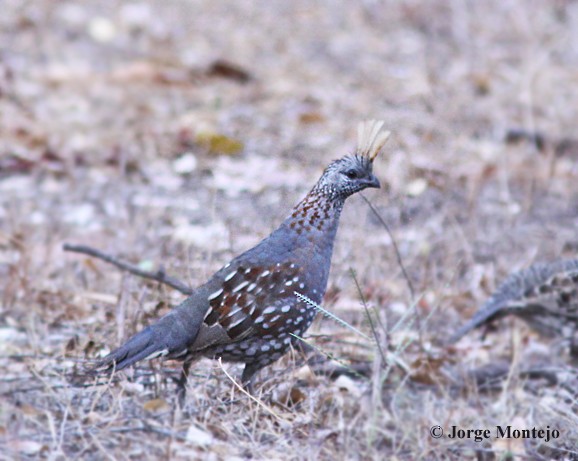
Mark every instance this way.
x=250 y=301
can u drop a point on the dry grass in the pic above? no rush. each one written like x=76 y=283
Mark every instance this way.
x=101 y=107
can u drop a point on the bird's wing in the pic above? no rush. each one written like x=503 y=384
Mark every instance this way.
x=250 y=300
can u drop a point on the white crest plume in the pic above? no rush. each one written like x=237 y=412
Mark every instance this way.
x=371 y=137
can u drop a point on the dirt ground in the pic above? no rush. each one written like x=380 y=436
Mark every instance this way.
x=177 y=134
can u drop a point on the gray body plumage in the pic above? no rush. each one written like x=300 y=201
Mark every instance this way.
x=544 y=295
x=247 y=311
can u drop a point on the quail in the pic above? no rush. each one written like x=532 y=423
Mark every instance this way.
x=248 y=311
x=544 y=295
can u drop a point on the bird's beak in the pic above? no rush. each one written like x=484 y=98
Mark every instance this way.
x=372 y=181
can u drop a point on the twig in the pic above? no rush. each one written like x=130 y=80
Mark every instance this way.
x=369 y=319
x=147 y=427
x=329 y=356
x=401 y=265
x=395 y=247
x=159 y=276
x=256 y=400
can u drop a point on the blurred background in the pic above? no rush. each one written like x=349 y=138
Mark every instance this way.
x=177 y=134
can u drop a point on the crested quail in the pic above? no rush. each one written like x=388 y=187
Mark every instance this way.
x=544 y=295
x=247 y=311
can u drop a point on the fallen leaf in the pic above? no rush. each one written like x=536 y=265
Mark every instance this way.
x=292 y=396
x=217 y=143
x=155 y=405
x=347 y=384
x=428 y=370
x=311 y=117
x=416 y=187
x=185 y=164
x=29 y=410
x=27 y=447
x=101 y=29
x=199 y=437
x=226 y=69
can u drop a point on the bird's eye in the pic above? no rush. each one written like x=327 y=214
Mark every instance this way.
x=351 y=174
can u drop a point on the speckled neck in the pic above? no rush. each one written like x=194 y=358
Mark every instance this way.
x=318 y=213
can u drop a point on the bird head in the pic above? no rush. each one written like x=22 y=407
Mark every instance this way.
x=353 y=173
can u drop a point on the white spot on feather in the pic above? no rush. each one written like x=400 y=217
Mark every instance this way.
x=215 y=295
x=236 y=323
x=233 y=312
x=156 y=354
x=240 y=286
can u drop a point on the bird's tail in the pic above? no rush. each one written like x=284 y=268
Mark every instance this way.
x=170 y=337
x=493 y=309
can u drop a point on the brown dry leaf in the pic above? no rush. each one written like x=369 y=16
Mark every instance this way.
x=90 y=264
x=482 y=83
x=311 y=117
x=428 y=370
x=217 y=143
x=93 y=417
x=29 y=410
x=226 y=69
x=155 y=405
x=292 y=397
x=296 y=395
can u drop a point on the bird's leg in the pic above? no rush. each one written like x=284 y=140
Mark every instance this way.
x=574 y=347
x=248 y=374
x=182 y=384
